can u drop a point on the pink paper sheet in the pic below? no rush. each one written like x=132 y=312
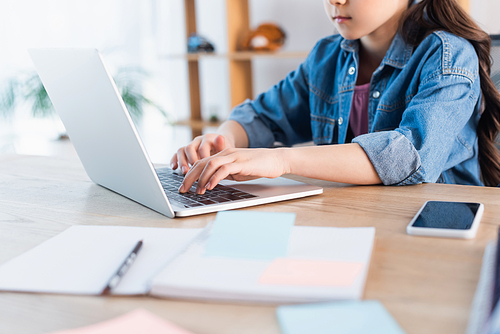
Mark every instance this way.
x=139 y=321
x=285 y=271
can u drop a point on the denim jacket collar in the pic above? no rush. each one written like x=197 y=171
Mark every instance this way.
x=397 y=56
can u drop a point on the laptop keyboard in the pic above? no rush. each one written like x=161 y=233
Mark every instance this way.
x=171 y=181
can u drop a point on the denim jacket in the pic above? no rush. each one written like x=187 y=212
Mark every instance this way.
x=423 y=108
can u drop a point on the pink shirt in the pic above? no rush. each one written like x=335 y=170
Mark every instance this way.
x=358 y=120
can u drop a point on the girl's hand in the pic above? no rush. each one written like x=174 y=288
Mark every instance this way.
x=235 y=164
x=201 y=147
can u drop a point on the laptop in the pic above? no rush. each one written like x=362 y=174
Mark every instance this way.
x=86 y=98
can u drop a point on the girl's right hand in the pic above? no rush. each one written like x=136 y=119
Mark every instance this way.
x=201 y=147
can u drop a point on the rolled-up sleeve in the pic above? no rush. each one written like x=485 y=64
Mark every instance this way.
x=421 y=147
x=279 y=115
x=393 y=156
x=258 y=133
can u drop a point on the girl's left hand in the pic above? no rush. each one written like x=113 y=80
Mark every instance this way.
x=234 y=164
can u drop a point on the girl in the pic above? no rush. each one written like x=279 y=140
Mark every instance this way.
x=404 y=90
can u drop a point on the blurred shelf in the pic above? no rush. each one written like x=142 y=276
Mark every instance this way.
x=240 y=55
x=197 y=125
x=239 y=62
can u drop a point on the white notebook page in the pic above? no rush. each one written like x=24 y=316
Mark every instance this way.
x=82 y=259
x=194 y=275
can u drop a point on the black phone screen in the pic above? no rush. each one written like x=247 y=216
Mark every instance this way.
x=452 y=215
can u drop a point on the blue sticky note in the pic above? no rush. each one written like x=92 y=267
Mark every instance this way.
x=349 y=317
x=250 y=235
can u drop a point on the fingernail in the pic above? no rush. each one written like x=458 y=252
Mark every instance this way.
x=200 y=191
x=172 y=165
x=184 y=169
x=181 y=188
x=207 y=185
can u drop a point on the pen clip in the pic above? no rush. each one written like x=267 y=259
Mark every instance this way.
x=122 y=269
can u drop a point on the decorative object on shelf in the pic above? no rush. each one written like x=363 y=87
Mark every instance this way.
x=197 y=43
x=28 y=88
x=240 y=72
x=214 y=119
x=267 y=37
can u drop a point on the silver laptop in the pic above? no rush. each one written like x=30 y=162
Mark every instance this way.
x=108 y=145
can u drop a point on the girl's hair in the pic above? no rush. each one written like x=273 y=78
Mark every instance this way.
x=427 y=16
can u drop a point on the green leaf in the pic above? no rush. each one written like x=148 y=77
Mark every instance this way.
x=35 y=92
x=29 y=88
x=9 y=98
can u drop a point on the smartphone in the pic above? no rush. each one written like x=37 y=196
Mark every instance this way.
x=447 y=219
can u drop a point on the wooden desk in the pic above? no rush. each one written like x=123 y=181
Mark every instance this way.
x=426 y=283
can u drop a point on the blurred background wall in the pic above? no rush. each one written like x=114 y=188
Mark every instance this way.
x=149 y=34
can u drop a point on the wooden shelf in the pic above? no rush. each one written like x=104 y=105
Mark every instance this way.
x=240 y=55
x=248 y=55
x=197 y=125
x=239 y=62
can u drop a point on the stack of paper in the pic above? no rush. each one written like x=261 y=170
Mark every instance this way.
x=260 y=257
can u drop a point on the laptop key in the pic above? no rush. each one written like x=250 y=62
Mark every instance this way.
x=231 y=197
x=207 y=201
x=186 y=201
x=177 y=204
x=248 y=196
x=219 y=199
x=237 y=192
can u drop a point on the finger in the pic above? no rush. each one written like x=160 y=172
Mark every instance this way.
x=219 y=143
x=182 y=162
x=192 y=175
x=210 y=168
x=192 y=151
x=222 y=173
x=205 y=149
x=173 y=162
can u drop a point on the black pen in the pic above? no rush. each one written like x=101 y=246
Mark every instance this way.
x=115 y=279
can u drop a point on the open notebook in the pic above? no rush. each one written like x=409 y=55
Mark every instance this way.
x=173 y=263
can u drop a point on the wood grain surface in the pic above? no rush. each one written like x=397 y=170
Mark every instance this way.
x=426 y=283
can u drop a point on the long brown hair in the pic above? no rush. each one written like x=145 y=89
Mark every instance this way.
x=427 y=16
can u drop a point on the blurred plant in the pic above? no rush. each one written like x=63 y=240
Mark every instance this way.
x=27 y=87
x=129 y=83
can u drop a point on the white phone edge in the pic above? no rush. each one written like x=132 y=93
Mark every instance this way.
x=445 y=232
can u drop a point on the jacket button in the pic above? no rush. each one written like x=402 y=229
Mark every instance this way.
x=352 y=70
x=376 y=94
x=341 y=121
